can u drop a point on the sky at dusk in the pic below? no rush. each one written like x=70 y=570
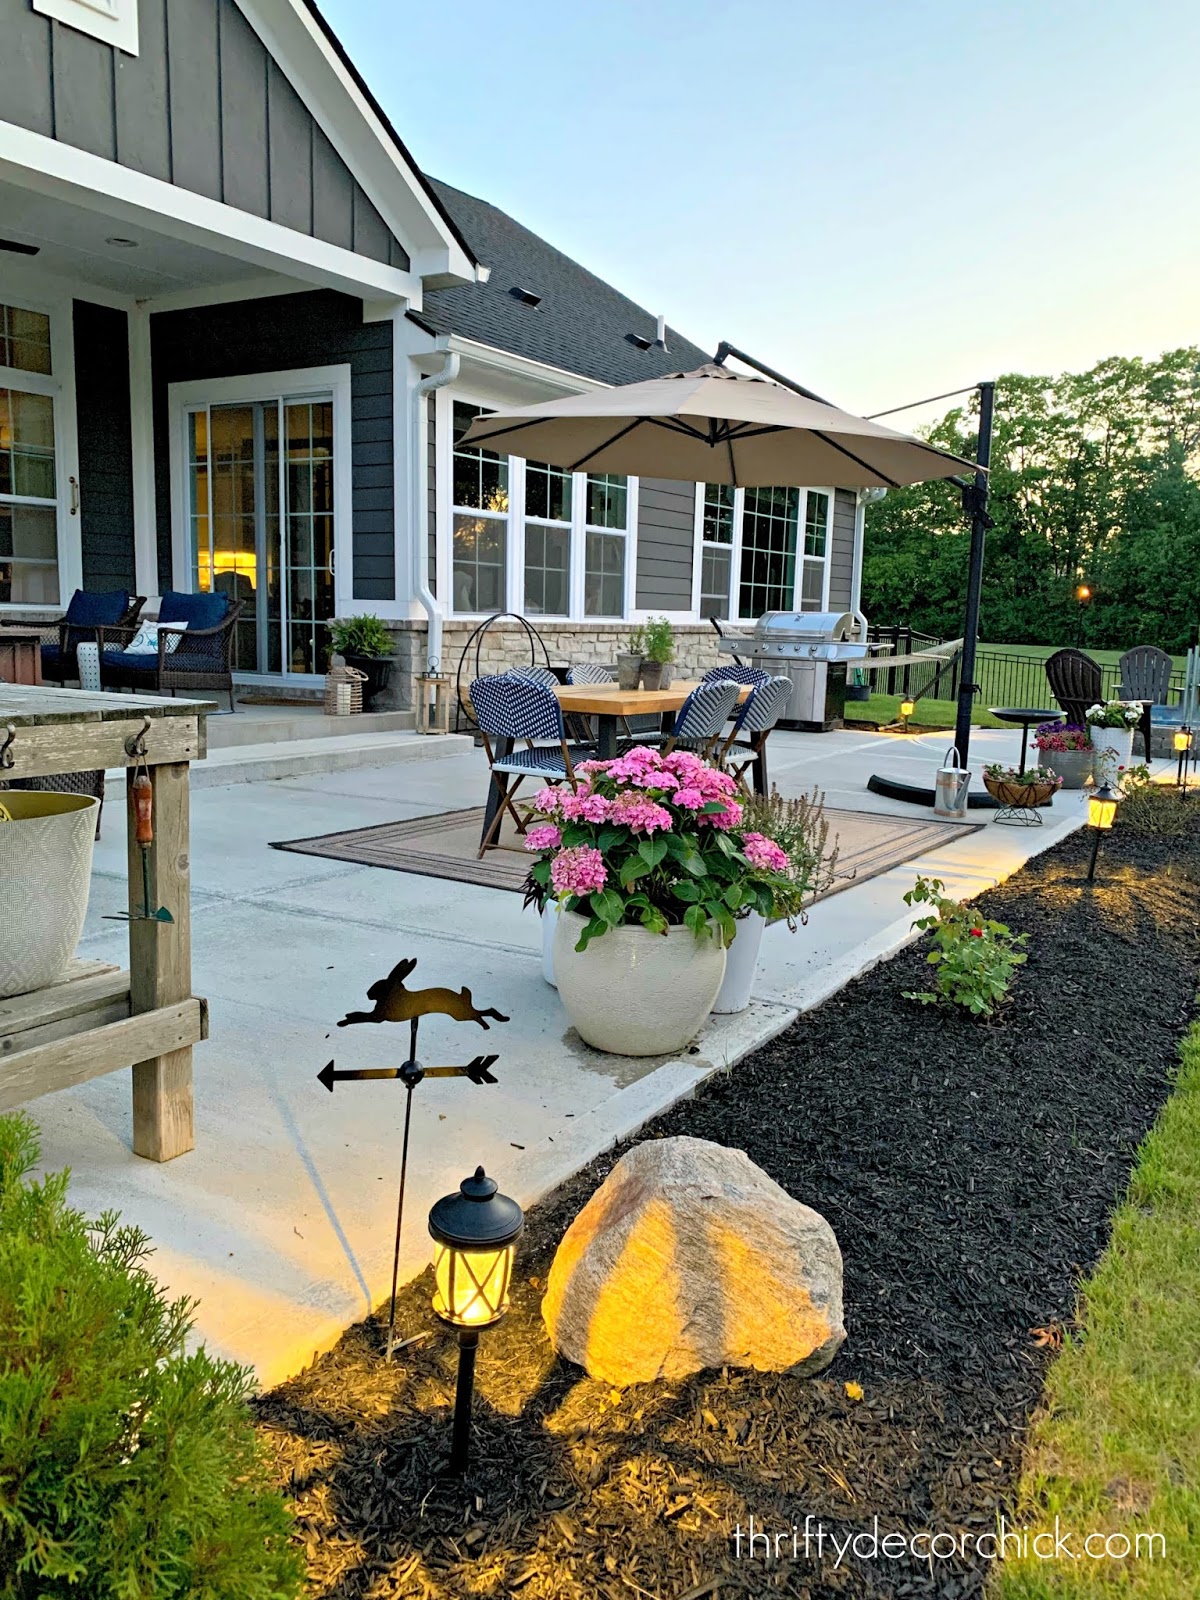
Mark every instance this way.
x=882 y=198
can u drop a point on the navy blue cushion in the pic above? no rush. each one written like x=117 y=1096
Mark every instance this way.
x=97 y=609
x=130 y=661
x=51 y=656
x=199 y=611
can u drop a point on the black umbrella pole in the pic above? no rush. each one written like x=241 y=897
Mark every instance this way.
x=976 y=497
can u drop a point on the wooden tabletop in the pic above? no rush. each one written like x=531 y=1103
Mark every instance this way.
x=27 y=707
x=606 y=700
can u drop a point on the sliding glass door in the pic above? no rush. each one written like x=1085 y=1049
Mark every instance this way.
x=261 y=507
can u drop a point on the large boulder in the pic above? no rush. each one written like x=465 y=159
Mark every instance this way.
x=688 y=1256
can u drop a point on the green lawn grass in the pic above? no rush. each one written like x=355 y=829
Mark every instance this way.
x=1118 y=1449
x=885 y=708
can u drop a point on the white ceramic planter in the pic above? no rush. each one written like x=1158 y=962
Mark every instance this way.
x=549 y=927
x=741 y=963
x=45 y=875
x=1111 y=748
x=635 y=993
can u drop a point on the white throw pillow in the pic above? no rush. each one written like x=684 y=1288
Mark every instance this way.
x=145 y=640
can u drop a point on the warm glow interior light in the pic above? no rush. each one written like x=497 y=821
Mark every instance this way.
x=1101 y=811
x=472 y=1285
x=1183 y=740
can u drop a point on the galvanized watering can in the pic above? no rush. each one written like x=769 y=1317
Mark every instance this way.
x=951 y=787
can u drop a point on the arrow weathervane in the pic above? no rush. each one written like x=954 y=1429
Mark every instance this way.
x=395 y=1003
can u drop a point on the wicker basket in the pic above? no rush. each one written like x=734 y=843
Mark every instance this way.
x=343 y=689
x=1026 y=795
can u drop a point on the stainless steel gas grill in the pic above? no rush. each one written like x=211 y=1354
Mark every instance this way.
x=809 y=647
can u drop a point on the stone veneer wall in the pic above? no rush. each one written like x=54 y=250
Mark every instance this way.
x=506 y=644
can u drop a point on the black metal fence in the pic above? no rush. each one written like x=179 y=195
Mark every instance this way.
x=1004 y=679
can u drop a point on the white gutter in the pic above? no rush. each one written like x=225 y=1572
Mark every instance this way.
x=420 y=519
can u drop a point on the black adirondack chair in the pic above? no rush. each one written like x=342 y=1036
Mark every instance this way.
x=1075 y=682
x=1146 y=675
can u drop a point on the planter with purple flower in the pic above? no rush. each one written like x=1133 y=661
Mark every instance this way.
x=650 y=866
x=1066 y=750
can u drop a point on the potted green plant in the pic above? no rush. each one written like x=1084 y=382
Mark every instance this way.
x=657 y=654
x=1066 y=751
x=365 y=643
x=649 y=864
x=629 y=660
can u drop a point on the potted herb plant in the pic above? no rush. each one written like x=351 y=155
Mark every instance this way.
x=365 y=643
x=629 y=660
x=658 y=652
x=1111 y=725
x=1012 y=786
x=648 y=864
x=797 y=829
x=1066 y=751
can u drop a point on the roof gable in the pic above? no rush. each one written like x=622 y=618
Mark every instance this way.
x=579 y=324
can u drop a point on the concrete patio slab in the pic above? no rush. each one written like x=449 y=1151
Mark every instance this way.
x=281 y=1220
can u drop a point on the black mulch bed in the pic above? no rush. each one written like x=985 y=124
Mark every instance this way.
x=968 y=1170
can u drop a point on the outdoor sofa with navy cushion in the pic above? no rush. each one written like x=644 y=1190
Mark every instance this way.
x=87 y=611
x=197 y=654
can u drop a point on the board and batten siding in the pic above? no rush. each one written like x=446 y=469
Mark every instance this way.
x=841 y=549
x=202 y=105
x=318 y=329
x=101 y=338
x=666 y=534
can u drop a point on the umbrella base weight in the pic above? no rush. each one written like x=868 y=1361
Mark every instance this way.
x=915 y=794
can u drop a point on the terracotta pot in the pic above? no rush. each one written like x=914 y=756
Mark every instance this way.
x=45 y=876
x=666 y=982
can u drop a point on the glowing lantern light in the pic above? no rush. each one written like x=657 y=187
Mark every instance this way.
x=1102 y=811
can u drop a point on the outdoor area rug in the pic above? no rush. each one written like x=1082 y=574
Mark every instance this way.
x=446 y=846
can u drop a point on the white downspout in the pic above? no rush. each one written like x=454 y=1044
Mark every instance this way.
x=420 y=520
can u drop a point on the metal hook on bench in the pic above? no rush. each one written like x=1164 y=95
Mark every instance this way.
x=7 y=759
x=135 y=744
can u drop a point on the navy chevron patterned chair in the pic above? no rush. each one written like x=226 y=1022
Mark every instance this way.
x=512 y=710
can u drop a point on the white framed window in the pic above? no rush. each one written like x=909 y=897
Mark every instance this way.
x=114 y=21
x=36 y=491
x=762 y=549
x=528 y=537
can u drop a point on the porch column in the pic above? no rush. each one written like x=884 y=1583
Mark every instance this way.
x=145 y=512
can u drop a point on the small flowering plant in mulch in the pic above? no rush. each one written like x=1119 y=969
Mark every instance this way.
x=1114 y=714
x=1056 y=738
x=975 y=958
x=654 y=841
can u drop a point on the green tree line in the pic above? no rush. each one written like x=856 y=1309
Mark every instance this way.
x=1095 y=481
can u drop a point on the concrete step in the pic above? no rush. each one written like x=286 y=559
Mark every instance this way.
x=296 y=758
x=259 y=725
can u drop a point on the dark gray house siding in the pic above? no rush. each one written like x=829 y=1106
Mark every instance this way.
x=320 y=329
x=841 y=549
x=101 y=338
x=665 y=540
x=202 y=105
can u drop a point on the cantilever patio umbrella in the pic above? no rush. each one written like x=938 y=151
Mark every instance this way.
x=714 y=426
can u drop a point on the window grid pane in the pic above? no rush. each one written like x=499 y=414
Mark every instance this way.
x=769 y=532
x=479 y=561
x=717 y=517
x=604 y=575
x=816 y=520
x=714 y=582
x=24 y=339
x=607 y=500
x=547 y=569
x=480 y=477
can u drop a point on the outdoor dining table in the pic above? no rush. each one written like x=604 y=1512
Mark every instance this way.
x=610 y=706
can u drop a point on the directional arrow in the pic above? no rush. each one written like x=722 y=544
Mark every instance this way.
x=328 y=1075
x=476 y=1070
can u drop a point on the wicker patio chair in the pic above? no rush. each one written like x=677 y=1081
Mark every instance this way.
x=514 y=710
x=591 y=672
x=196 y=655
x=87 y=611
x=1146 y=675
x=743 y=675
x=702 y=718
x=1075 y=682
x=756 y=717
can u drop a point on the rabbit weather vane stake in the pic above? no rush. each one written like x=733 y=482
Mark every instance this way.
x=395 y=1003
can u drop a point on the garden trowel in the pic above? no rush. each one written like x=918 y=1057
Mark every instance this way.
x=143 y=800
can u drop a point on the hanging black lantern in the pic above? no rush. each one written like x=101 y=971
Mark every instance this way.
x=475 y=1233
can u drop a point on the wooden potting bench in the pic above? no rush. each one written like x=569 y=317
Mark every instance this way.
x=101 y=1018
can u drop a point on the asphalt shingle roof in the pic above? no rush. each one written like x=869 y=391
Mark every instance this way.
x=581 y=324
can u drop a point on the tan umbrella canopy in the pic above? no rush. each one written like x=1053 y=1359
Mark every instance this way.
x=714 y=426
